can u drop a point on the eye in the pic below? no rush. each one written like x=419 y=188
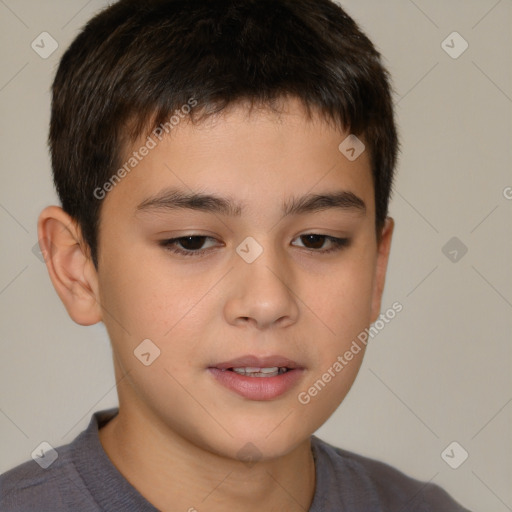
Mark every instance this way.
x=318 y=240
x=193 y=245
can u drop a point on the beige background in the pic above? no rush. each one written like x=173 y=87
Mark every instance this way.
x=439 y=372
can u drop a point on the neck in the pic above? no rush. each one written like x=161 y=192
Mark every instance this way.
x=173 y=473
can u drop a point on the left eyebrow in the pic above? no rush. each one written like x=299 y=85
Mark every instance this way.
x=173 y=199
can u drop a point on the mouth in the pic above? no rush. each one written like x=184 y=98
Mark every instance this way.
x=259 y=372
x=254 y=363
x=258 y=378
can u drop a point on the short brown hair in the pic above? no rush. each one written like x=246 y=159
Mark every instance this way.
x=138 y=61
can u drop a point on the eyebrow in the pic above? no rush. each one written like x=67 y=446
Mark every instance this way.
x=175 y=199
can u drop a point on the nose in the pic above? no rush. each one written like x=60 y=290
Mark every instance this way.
x=262 y=292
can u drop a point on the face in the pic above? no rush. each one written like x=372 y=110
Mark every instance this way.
x=262 y=277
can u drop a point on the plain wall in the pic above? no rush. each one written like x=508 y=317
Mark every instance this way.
x=439 y=372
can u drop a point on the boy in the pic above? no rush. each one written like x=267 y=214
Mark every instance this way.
x=224 y=168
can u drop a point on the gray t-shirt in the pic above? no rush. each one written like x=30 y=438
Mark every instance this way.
x=83 y=479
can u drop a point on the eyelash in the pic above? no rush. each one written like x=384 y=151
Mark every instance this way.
x=171 y=245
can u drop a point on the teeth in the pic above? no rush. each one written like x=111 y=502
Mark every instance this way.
x=260 y=372
x=256 y=370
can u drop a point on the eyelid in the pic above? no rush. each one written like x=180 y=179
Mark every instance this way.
x=170 y=242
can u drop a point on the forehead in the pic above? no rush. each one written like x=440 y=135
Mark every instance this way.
x=255 y=155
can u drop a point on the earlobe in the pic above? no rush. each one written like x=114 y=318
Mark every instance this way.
x=381 y=267
x=70 y=268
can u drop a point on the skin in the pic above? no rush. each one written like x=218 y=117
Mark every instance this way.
x=178 y=432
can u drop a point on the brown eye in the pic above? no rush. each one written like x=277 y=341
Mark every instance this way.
x=314 y=242
x=190 y=245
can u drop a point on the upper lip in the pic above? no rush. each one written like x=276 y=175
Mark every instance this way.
x=251 y=361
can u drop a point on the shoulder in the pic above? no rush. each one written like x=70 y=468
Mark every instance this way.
x=377 y=483
x=32 y=487
x=55 y=480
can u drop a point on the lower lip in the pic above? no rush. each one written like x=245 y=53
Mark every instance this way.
x=258 y=388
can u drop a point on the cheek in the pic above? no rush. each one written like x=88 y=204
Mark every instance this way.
x=344 y=298
x=142 y=294
x=149 y=302
x=345 y=311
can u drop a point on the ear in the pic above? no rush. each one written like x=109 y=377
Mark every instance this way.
x=69 y=265
x=381 y=267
